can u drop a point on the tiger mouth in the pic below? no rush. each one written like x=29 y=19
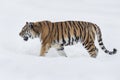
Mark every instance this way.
x=25 y=38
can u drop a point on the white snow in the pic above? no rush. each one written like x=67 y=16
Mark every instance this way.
x=20 y=60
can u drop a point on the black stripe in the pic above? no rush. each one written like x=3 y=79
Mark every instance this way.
x=69 y=36
x=75 y=25
x=80 y=25
x=106 y=51
x=87 y=42
x=47 y=23
x=103 y=47
x=87 y=38
x=70 y=23
x=58 y=32
x=72 y=41
x=101 y=43
x=74 y=29
x=95 y=26
x=93 y=49
x=63 y=40
x=77 y=38
x=84 y=34
x=82 y=30
x=86 y=46
x=89 y=46
x=99 y=40
x=62 y=48
x=79 y=30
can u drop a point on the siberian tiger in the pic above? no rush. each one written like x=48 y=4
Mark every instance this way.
x=60 y=34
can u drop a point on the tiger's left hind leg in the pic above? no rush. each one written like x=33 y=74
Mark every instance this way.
x=93 y=51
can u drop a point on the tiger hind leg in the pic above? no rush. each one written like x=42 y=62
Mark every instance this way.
x=91 y=48
x=61 y=51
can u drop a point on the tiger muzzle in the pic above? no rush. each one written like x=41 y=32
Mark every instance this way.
x=25 y=38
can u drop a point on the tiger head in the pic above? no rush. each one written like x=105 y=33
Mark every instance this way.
x=28 y=31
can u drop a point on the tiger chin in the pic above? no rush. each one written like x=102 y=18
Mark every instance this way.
x=60 y=34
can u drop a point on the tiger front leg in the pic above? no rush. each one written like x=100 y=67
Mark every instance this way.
x=44 y=49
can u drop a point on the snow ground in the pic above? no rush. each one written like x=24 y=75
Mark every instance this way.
x=20 y=60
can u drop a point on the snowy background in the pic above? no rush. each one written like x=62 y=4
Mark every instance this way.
x=20 y=60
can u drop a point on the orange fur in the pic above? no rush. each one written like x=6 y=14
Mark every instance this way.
x=60 y=34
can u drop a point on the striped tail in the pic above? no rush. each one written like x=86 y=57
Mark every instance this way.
x=99 y=37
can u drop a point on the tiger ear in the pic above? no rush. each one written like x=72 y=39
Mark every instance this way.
x=26 y=22
x=31 y=25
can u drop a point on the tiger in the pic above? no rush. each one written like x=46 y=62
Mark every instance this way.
x=65 y=33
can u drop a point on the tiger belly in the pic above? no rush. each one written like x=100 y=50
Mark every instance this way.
x=67 y=41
